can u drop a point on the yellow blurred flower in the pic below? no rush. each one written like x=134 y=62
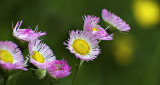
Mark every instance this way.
x=146 y=12
x=124 y=50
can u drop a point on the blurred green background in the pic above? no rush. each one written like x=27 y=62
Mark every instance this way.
x=132 y=58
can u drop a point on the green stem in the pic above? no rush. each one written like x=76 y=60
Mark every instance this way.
x=51 y=81
x=81 y=63
x=16 y=76
x=5 y=80
x=1 y=78
x=14 y=81
x=76 y=71
x=99 y=41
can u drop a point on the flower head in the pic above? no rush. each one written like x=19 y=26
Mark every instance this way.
x=146 y=12
x=83 y=44
x=40 y=54
x=114 y=21
x=91 y=24
x=59 y=69
x=26 y=34
x=11 y=57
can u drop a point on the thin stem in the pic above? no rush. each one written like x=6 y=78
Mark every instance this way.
x=5 y=79
x=76 y=71
x=14 y=81
x=16 y=76
x=51 y=83
x=81 y=63
x=51 y=80
x=99 y=41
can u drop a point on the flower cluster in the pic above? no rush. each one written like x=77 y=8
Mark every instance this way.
x=40 y=55
x=84 y=43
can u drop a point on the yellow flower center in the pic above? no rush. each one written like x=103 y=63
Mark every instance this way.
x=38 y=57
x=94 y=29
x=59 y=68
x=6 y=56
x=81 y=47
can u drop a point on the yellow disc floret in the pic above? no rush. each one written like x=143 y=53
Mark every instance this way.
x=6 y=56
x=38 y=57
x=81 y=47
x=94 y=29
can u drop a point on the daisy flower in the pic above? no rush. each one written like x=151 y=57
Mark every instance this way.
x=83 y=44
x=11 y=57
x=114 y=21
x=26 y=34
x=40 y=54
x=59 y=69
x=91 y=24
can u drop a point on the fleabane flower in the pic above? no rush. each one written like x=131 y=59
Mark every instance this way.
x=115 y=21
x=11 y=57
x=59 y=69
x=40 y=54
x=91 y=24
x=83 y=44
x=26 y=34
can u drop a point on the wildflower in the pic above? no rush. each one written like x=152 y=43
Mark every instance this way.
x=114 y=21
x=59 y=69
x=91 y=24
x=11 y=57
x=83 y=44
x=146 y=12
x=26 y=34
x=40 y=54
x=124 y=49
